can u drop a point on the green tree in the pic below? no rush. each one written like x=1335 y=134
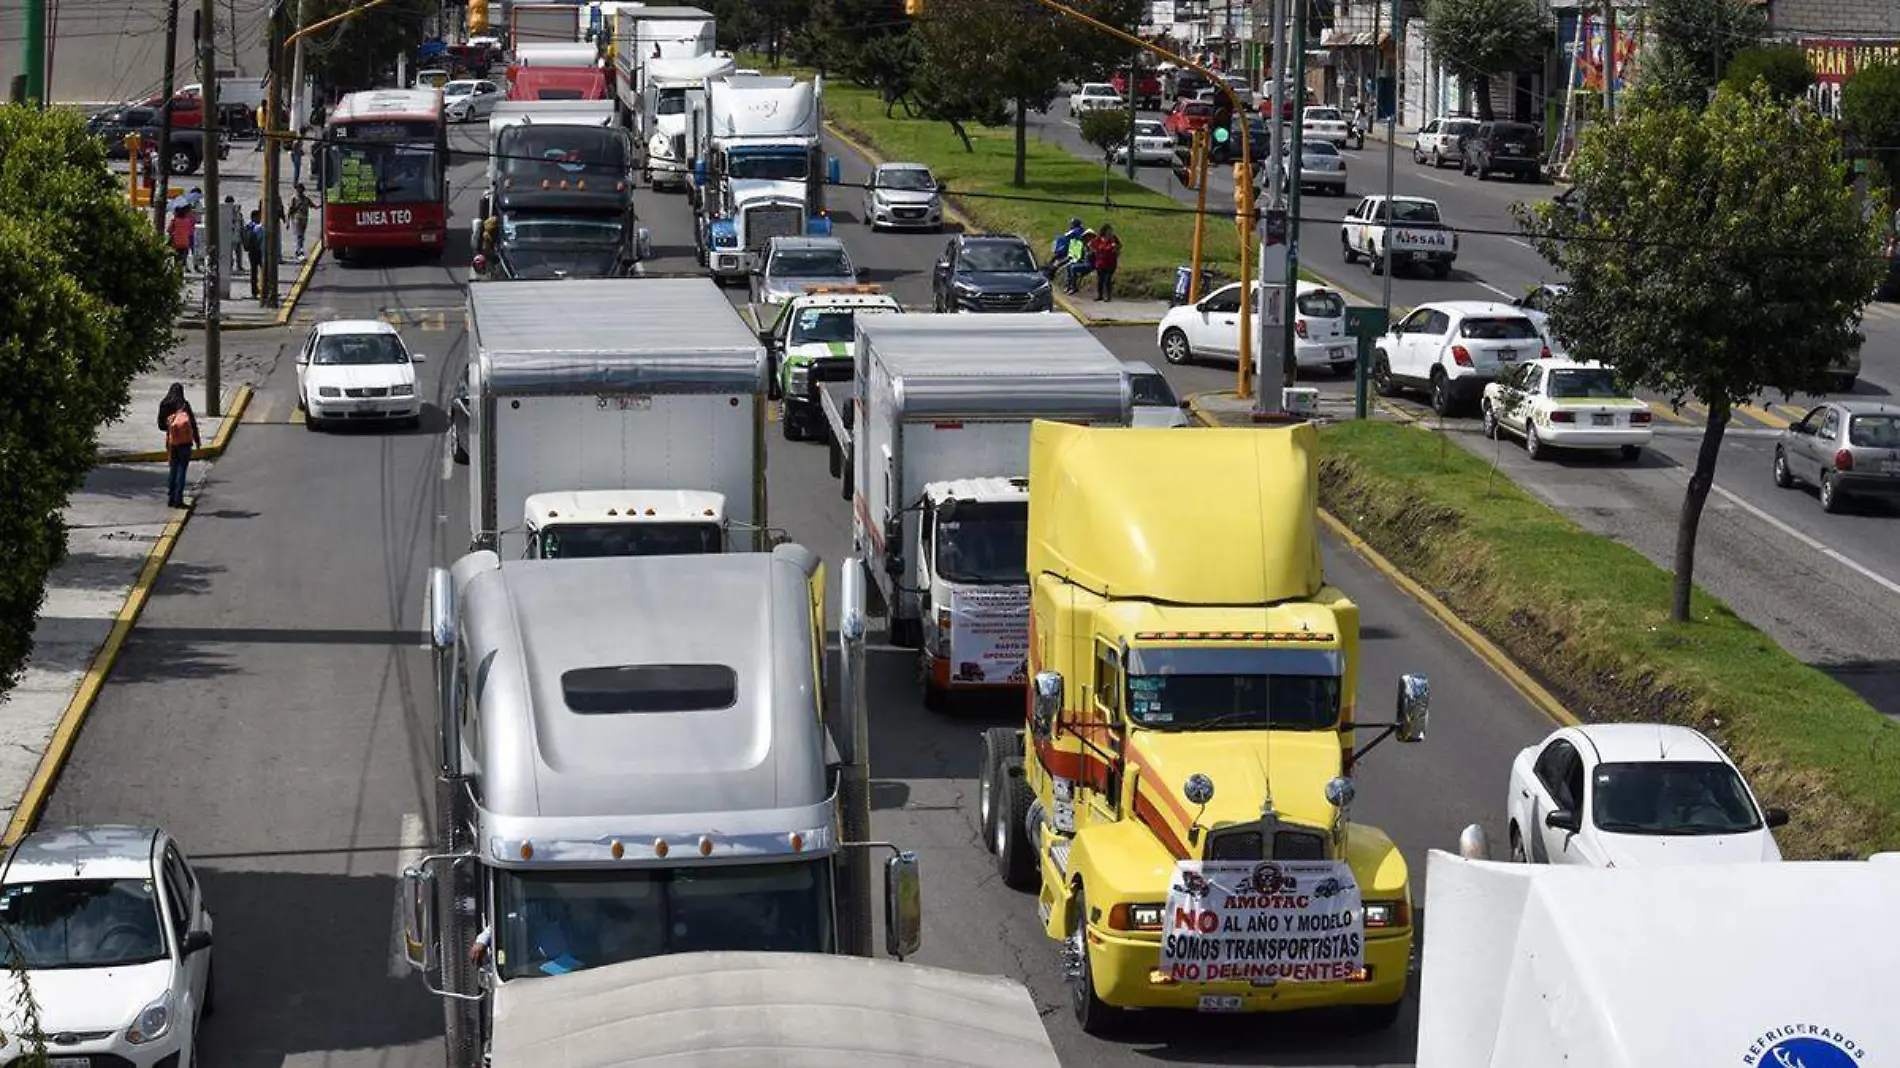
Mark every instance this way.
x=91 y=296
x=352 y=54
x=1485 y=37
x=1870 y=108
x=1106 y=128
x=1717 y=254
x=1693 y=42
x=1783 y=69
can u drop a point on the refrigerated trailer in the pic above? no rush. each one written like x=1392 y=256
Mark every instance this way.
x=632 y=385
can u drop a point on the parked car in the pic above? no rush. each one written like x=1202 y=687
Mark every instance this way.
x=1453 y=349
x=1188 y=116
x=791 y=264
x=903 y=196
x=1210 y=329
x=1441 y=140
x=1322 y=168
x=1844 y=449
x=1625 y=795
x=1094 y=96
x=1152 y=144
x=187 y=144
x=1507 y=147
x=1155 y=403
x=1325 y=124
x=470 y=99
x=111 y=936
x=356 y=370
x=989 y=273
x=1563 y=404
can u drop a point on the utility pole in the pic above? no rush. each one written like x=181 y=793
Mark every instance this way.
x=35 y=65
x=1134 y=95
x=854 y=790
x=1359 y=402
x=299 y=107
x=1274 y=236
x=1295 y=55
x=214 y=240
x=1609 y=58
x=161 y=186
x=273 y=232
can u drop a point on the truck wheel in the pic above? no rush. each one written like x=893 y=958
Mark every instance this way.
x=989 y=773
x=788 y=422
x=1382 y=379
x=1010 y=841
x=844 y=477
x=455 y=887
x=1345 y=249
x=1095 y=1016
x=1375 y=259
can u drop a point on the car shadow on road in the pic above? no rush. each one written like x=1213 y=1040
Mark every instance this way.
x=304 y=966
x=1876 y=681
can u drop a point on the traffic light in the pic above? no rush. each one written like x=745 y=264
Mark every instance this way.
x=477 y=17
x=1220 y=127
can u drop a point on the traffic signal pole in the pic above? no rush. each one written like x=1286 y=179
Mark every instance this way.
x=35 y=66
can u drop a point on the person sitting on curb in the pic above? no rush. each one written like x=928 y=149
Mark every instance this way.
x=1081 y=260
x=1059 y=248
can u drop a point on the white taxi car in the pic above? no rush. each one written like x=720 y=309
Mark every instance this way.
x=114 y=940
x=1210 y=329
x=352 y=370
x=1094 y=96
x=1153 y=144
x=1612 y=795
x=1565 y=404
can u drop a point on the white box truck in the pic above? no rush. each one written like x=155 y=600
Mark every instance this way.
x=629 y=385
x=642 y=34
x=940 y=466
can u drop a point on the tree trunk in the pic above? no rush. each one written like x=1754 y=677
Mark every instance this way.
x=962 y=135
x=1700 y=482
x=1484 y=98
x=1022 y=144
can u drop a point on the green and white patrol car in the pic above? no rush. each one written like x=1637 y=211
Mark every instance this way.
x=810 y=341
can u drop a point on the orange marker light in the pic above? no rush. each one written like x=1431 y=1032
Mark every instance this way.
x=618 y=850
x=527 y=851
x=659 y=847
x=705 y=846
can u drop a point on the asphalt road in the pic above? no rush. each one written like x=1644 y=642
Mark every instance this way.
x=273 y=710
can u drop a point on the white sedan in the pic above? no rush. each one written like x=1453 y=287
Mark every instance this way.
x=1093 y=96
x=1153 y=144
x=1210 y=329
x=1611 y=795
x=1564 y=404
x=355 y=370
x=1325 y=124
x=468 y=99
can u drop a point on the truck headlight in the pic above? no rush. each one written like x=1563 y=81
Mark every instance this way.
x=154 y=1021
x=1143 y=917
x=406 y=389
x=725 y=239
x=1383 y=914
x=329 y=391
x=797 y=379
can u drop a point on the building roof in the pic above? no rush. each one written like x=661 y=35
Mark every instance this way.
x=532 y=622
x=1217 y=517
x=97 y=851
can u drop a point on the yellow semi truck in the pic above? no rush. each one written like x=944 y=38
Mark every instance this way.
x=1179 y=794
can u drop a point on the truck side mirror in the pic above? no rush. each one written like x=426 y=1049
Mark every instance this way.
x=903 y=906
x=643 y=243
x=1415 y=708
x=699 y=172
x=418 y=919
x=1048 y=704
x=833 y=173
x=1474 y=843
x=1563 y=819
x=441 y=609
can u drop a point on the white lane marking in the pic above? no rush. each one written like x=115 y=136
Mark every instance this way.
x=413 y=846
x=1500 y=292
x=448 y=458
x=1520 y=244
x=1434 y=178
x=1813 y=543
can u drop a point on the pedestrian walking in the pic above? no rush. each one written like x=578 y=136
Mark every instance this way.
x=232 y=217
x=254 y=252
x=1108 y=255
x=180 y=426
x=300 y=205
x=296 y=158
x=182 y=231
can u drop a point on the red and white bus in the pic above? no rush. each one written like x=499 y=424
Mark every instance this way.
x=384 y=170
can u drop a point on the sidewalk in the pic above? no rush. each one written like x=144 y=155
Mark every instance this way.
x=1225 y=408
x=119 y=533
x=1111 y=312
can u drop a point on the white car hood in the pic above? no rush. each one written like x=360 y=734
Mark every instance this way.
x=749 y=190
x=87 y=999
x=1650 y=851
x=906 y=196
x=360 y=376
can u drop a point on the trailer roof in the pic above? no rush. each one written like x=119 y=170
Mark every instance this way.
x=995 y=365
x=746 y=741
x=795 y=1010
x=613 y=335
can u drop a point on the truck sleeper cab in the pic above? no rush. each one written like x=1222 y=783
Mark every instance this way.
x=634 y=760
x=1193 y=700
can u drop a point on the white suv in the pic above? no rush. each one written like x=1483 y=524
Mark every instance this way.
x=1452 y=349
x=1441 y=140
x=115 y=941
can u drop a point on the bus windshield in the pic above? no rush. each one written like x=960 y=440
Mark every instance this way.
x=553 y=922
x=369 y=173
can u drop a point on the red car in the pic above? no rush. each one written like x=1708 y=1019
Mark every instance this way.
x=1147 y=88
x=1187 y=117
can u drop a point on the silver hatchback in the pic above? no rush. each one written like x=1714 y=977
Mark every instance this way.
x=1845 y=449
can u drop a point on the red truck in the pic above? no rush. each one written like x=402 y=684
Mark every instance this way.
x=557 y=83
x=1147 y=88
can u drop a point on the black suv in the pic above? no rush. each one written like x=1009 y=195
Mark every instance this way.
x=1511 y=147
x=989 y=273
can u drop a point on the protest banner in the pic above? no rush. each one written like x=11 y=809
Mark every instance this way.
x=1263 y=922
x=989 y=634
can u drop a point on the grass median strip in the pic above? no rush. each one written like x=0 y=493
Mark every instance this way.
x=1591 y=618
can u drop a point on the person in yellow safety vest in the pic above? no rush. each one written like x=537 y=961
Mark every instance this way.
x=1081 y=259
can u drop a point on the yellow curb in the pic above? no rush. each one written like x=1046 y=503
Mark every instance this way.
x=302 y=282
x=1495 y=658
x=66 y=733
x=239 y=401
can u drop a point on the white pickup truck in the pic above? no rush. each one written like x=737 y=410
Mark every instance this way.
x=1416 y=230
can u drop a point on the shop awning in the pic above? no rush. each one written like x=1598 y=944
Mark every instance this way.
x=1354 y=39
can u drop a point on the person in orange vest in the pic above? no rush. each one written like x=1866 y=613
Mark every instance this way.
x=181 y=231
x=180 y=425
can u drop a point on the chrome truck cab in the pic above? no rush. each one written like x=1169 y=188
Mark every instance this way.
x=634 y=761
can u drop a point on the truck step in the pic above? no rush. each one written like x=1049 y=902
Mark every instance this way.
x=1059 y=853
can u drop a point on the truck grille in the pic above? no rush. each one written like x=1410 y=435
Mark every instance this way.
x=770 y=221
x=368 y=391
x=832 y=370
x=1003 y=301
x=1249 y=844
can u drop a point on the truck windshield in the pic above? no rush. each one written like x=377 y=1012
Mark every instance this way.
x=790 y=166
x=585 y=540
x=815 y=325
x=1234 y=702
x=671 y=102
x=985 y=545
x=549 y=923
x=539 y=152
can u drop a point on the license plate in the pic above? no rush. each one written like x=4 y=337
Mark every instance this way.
x=1220 y=1002
x=69 y=1062
x=1341 y=352
x=1513 y=148
x=1890 y=467
x=1507 y=355
x=1603 y=420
